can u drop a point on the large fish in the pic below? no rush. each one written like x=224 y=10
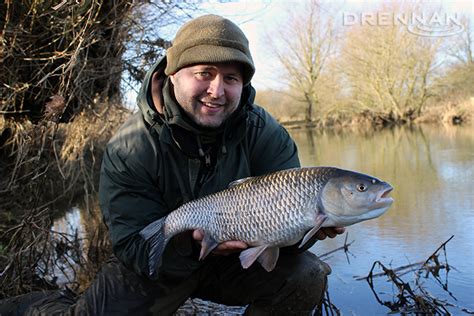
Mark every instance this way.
x=280 y=209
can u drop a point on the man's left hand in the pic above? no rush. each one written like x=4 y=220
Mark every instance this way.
x=330 y=232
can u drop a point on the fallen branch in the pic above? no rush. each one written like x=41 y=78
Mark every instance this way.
x=415 y=299
x=345 y=247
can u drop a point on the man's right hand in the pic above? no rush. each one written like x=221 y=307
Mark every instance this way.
x=223 y=249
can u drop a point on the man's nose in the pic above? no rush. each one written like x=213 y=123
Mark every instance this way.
x=216 y=87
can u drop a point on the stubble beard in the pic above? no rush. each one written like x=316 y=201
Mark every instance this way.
x=207 y=121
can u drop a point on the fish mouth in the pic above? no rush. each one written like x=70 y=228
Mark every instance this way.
x=384 y=196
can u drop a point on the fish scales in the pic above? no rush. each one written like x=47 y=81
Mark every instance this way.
x=275 y=210
x=264 y=210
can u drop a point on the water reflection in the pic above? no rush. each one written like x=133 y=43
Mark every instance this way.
x=432 y=172
x=82 y=228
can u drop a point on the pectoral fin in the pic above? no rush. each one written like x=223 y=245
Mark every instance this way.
x=320 y=219
x=207 y=245
x=248 y=256
x=269 y=258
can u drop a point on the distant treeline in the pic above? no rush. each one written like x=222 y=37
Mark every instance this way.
x=371 y=73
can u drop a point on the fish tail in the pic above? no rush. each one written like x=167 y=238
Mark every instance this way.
x=155 y=236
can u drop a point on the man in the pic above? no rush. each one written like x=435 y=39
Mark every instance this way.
x=197 y=131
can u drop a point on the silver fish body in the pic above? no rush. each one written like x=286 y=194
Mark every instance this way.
x=280 y=209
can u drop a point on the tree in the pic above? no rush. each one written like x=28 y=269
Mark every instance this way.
x=60 y=50
x=457 y=78
x=303 y=47
x=461 y=46
x=389 y=69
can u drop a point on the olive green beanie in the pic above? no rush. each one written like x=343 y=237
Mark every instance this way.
x=210 y=39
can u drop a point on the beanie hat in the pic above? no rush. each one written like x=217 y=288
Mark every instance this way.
x=210 y=39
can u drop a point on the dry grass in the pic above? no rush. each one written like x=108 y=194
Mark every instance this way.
x=59 y=156
x=452 y=112
x=47 y=163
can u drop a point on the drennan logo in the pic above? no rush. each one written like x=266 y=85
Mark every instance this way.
x=422 y=24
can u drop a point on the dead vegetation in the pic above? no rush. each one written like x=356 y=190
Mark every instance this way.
x=47 y=163
x=60 y=50
x=413 y=296
x=62 y=70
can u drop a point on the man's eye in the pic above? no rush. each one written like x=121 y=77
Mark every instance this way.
x=203 y=74
x=232 y=79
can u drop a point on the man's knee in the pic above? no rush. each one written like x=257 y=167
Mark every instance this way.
x=304 y=267
x=304 y=279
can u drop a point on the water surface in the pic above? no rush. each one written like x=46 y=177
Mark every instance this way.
x=432 y=171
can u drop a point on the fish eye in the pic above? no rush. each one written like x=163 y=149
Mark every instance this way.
x=361 y=187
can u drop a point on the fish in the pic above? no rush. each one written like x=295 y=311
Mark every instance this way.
x=280 y=209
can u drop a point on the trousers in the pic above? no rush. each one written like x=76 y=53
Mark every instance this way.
x=295 y=287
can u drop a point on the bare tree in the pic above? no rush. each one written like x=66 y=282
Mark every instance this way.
x=456 y=81
x=388 y=68
x=303 y=47
x=147 y=38
x=461 y=46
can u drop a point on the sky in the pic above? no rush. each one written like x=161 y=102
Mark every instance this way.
x=259 y=17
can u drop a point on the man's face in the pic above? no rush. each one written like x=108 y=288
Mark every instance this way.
x=208 y=93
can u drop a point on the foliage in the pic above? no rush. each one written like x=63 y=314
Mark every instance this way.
x=281 y=105
x=61 y=74
x=388 y=68
x=457 y=82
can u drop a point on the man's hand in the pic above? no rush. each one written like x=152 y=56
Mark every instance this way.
x=233 y=246
x=223 y=249
x=330 y=232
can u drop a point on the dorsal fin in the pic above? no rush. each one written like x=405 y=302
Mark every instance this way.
x=239 y=181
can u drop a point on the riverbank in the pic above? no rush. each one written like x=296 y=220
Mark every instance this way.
x=45 y=167
x=449 y=113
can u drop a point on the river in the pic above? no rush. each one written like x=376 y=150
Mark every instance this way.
x=432 y=171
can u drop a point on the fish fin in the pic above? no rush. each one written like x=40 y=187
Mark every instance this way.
x=207 y=245
x=320 y=219
x=248 y=256
x=269 y=258
x=157 y=240
x=239 y=181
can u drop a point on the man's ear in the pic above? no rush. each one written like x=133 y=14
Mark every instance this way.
x=156 y=94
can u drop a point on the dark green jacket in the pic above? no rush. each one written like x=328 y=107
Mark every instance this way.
x=156 y=162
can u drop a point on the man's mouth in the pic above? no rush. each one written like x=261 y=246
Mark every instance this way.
x=212 y=105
